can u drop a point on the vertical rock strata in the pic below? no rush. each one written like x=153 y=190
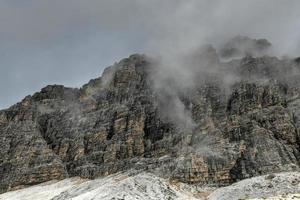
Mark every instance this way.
x=114 y=123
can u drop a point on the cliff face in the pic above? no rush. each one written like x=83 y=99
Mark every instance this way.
x=114 y=123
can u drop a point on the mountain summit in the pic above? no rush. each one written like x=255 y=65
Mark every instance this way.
x=239 y=119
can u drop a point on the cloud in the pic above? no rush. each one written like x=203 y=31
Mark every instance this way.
x=70 y=41
x=171 y=23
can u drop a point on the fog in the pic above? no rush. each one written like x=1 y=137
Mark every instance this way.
x=68 y=42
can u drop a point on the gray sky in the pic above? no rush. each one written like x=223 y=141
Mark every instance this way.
x=71 y=41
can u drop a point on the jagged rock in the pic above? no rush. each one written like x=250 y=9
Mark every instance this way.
x=240 y=46
x=114 y=123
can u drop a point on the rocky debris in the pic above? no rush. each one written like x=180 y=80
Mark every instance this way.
x=147 y=186
x=281 y=197
x=143 y=186
x=241 y=46
x=114 y=123
x=283 y=185
x=44 y=191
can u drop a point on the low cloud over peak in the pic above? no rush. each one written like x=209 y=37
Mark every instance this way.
x=68 y=42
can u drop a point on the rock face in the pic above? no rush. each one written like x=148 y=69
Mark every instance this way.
x=241 y=46
x=114 y=123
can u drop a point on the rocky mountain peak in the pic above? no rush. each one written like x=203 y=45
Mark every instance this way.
x=240 y=46
x=217 y=132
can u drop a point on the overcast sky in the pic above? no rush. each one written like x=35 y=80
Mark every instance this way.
x=71 y=41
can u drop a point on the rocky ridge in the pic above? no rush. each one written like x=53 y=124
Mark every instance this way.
x=114 y=123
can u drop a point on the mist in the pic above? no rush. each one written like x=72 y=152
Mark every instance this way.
x=69 y=42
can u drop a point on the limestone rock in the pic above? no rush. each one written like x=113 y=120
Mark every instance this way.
x=240 y=46
x=114 y=123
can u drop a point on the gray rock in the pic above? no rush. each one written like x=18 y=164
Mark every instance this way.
x=114 y=123
x=241 y=46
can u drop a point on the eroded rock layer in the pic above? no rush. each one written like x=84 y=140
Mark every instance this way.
x=114 y=123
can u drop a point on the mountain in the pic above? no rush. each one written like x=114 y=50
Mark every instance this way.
x=240 y=46
x=239 y=119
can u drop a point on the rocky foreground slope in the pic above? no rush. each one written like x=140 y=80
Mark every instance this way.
x=118 y=186
x=147 y=186
x=273 y=186
x=234 y=127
